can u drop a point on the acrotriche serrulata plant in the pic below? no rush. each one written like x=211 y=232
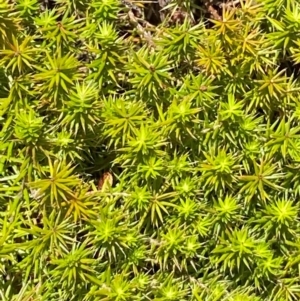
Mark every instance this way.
x=149 y=150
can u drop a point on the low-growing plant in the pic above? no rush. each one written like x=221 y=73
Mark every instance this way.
x=149 y=150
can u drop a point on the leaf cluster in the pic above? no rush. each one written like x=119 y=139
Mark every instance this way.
x=192 y=126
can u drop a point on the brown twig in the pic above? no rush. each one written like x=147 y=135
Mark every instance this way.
x=215 y=15
x=105 y=178
x=141 y=30
x=229 y=4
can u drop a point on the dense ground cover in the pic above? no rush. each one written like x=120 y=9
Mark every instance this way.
x=149 y=150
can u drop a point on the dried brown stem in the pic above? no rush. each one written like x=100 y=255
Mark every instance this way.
x=140 y=29
x=229 y=4
x=215 y=15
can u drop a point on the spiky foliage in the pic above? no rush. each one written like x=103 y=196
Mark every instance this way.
x=149 y=155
